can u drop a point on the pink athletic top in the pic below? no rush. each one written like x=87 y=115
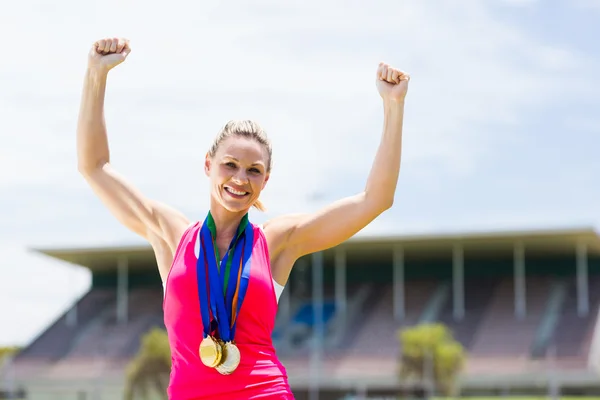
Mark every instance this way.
x=260 y=375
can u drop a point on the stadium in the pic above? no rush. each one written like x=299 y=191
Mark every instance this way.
x=523 y=304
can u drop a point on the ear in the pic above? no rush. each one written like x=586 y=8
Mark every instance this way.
x=207 y=164
x=266 y=180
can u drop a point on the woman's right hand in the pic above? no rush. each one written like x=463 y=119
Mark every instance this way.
x=106 y=54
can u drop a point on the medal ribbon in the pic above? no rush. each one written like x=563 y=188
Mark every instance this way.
x=240 y=282
x=203 y=290
x=232 y=280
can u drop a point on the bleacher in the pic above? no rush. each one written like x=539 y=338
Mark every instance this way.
x=575 y=341
x=96 y=332
x=55 y=342
x=489 y=329
x=496 y=336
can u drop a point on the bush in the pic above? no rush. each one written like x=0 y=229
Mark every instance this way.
x=7 y=352
x=150 y=368
x=430 y=352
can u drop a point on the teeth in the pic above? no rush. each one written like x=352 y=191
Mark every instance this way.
x=236 y=192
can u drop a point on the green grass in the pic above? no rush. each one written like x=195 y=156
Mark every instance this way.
x=518 y=398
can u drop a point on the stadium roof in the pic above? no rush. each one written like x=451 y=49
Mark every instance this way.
x=554 y=242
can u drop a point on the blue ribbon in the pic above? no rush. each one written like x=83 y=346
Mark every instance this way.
x=222 y=306
x=203 y=289
x=245 y=277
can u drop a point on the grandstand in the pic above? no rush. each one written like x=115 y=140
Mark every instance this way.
x=524 y=305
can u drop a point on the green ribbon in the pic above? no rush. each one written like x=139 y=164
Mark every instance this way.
x=213 y=231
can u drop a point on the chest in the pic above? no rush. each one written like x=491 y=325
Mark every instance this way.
x=222 y=248
x=182 y=284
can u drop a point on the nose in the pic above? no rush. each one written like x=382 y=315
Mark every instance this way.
x=241 y=177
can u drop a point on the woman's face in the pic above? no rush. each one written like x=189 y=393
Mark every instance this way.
x=237 y=172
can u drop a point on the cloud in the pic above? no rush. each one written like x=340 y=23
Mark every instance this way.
x=588 y=4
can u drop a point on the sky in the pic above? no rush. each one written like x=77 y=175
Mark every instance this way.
x=501 y=125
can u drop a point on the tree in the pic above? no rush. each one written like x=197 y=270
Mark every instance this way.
x=6 y=352
x=429 y=352
x=150 y=368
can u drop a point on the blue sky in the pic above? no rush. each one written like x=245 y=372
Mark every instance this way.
x=501 y=126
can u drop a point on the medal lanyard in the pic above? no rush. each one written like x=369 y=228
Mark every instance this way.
x=227 y=260
x=233 y=280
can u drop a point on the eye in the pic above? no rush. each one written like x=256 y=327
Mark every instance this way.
x=255 y=170
x=230 y=164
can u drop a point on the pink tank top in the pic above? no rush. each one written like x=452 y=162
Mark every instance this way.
x=260 y=373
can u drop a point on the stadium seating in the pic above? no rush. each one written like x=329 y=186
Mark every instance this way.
x=572 y=342
x=496 y=341
x=501 y=333
x=55 y=341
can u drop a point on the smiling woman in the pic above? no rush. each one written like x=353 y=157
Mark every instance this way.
x=243 y=154
x=223 y=275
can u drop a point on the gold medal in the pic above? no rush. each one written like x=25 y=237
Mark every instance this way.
x=230 y=360
x=210 y=352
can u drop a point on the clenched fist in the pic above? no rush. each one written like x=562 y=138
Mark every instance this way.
x=108 y=53
x=392 y=83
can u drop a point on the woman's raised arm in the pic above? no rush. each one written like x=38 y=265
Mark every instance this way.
x=147 y=218
x=326 y=228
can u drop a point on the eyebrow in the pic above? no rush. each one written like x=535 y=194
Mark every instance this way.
x=253 y=164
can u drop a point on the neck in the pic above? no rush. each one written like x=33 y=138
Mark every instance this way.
x=226 y=221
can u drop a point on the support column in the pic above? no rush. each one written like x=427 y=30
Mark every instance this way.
x=458 y=282
x=583 y=301
x=122 y=289
x=399 y=293
x=520 y=287
x=341 y=299
x=285 y=304
x=71 y=317
x=318 y=328
x=300 y=274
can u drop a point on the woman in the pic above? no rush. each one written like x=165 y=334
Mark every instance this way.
x=210 y=268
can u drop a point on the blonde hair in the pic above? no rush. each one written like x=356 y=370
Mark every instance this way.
x=246 y=129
